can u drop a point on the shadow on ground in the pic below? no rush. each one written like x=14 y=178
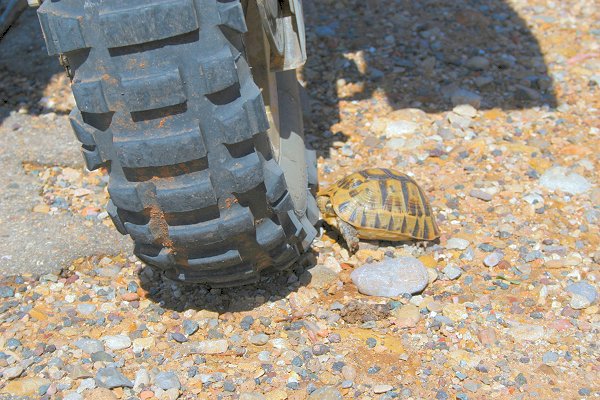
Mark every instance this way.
x=178 y=296
x=418 y=53
x=26 y=70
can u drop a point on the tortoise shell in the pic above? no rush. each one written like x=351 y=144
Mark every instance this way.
x=383 y=204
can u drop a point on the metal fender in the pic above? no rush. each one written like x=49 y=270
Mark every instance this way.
x=283 y=22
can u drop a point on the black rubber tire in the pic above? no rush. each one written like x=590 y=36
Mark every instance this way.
x=167 y=103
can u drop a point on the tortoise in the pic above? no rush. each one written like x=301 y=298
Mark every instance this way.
x=378 y=204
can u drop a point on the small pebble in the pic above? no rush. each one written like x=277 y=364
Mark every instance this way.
x=6 y=292
x=259 y=339
x=178 y=337
x=117 y=342
x=452 y=272
x=378 y=389
x=481 y=195
x=247 y=321
x=211 y=346
x=167 y=380
x=325 y=393
x=13 y=372
x=478 y=63
x=441 y=395
x=89 y=346
x=457 y=244
x=583 y=289
x=493 y=259
x=320 y=349
x=101 y=356
x=550 y=357
x=520 y=379
x=334 y=338
x=111 y=377
x=584 y=391
x=190 y=327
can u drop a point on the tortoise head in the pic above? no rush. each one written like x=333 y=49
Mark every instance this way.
x=325 y=206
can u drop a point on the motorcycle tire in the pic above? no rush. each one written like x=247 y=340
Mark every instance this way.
x=166 y=101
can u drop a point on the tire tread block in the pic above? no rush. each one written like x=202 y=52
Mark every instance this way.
x=246 y=172
x=238 y=125
x=218 y=72
x=232 y=16
x=148 y=22
x=83 y=132
x=234 y=221
x=156 y=150
x=156 y=89
x=274 y=180
x=186 y=192
x=61 y=27
x=89 y=96
x=92 y=157
x=228 y=259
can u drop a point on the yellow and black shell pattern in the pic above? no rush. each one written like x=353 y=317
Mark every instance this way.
x=383 y=204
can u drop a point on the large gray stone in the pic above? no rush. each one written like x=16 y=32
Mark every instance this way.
x=391 y=277
x=110 y=378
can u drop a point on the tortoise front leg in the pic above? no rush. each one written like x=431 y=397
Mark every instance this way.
x=350 y=235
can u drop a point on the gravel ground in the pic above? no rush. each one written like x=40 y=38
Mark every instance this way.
x=35 y=136
x=492 y=107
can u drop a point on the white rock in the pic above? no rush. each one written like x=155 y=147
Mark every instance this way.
x=141 y=344
x=459 y=120
x=579 y=302
x=86 y=308
x=142 y=378
x=280 y=343
x=406 y=316
x=391 y=277
x=452 y=271
x=396 y=143
x=321 y=276
x=465 y=110
x=526 y=332
x=211 y=346
x=89 y=346
x=12 y=372
x=457 y=244
x=86 y=384
x=251 y=396
x=333 y=264
x=117 y=342
x=377 y=389
x=400 y=128
x=558 y=178
x=491 y=260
